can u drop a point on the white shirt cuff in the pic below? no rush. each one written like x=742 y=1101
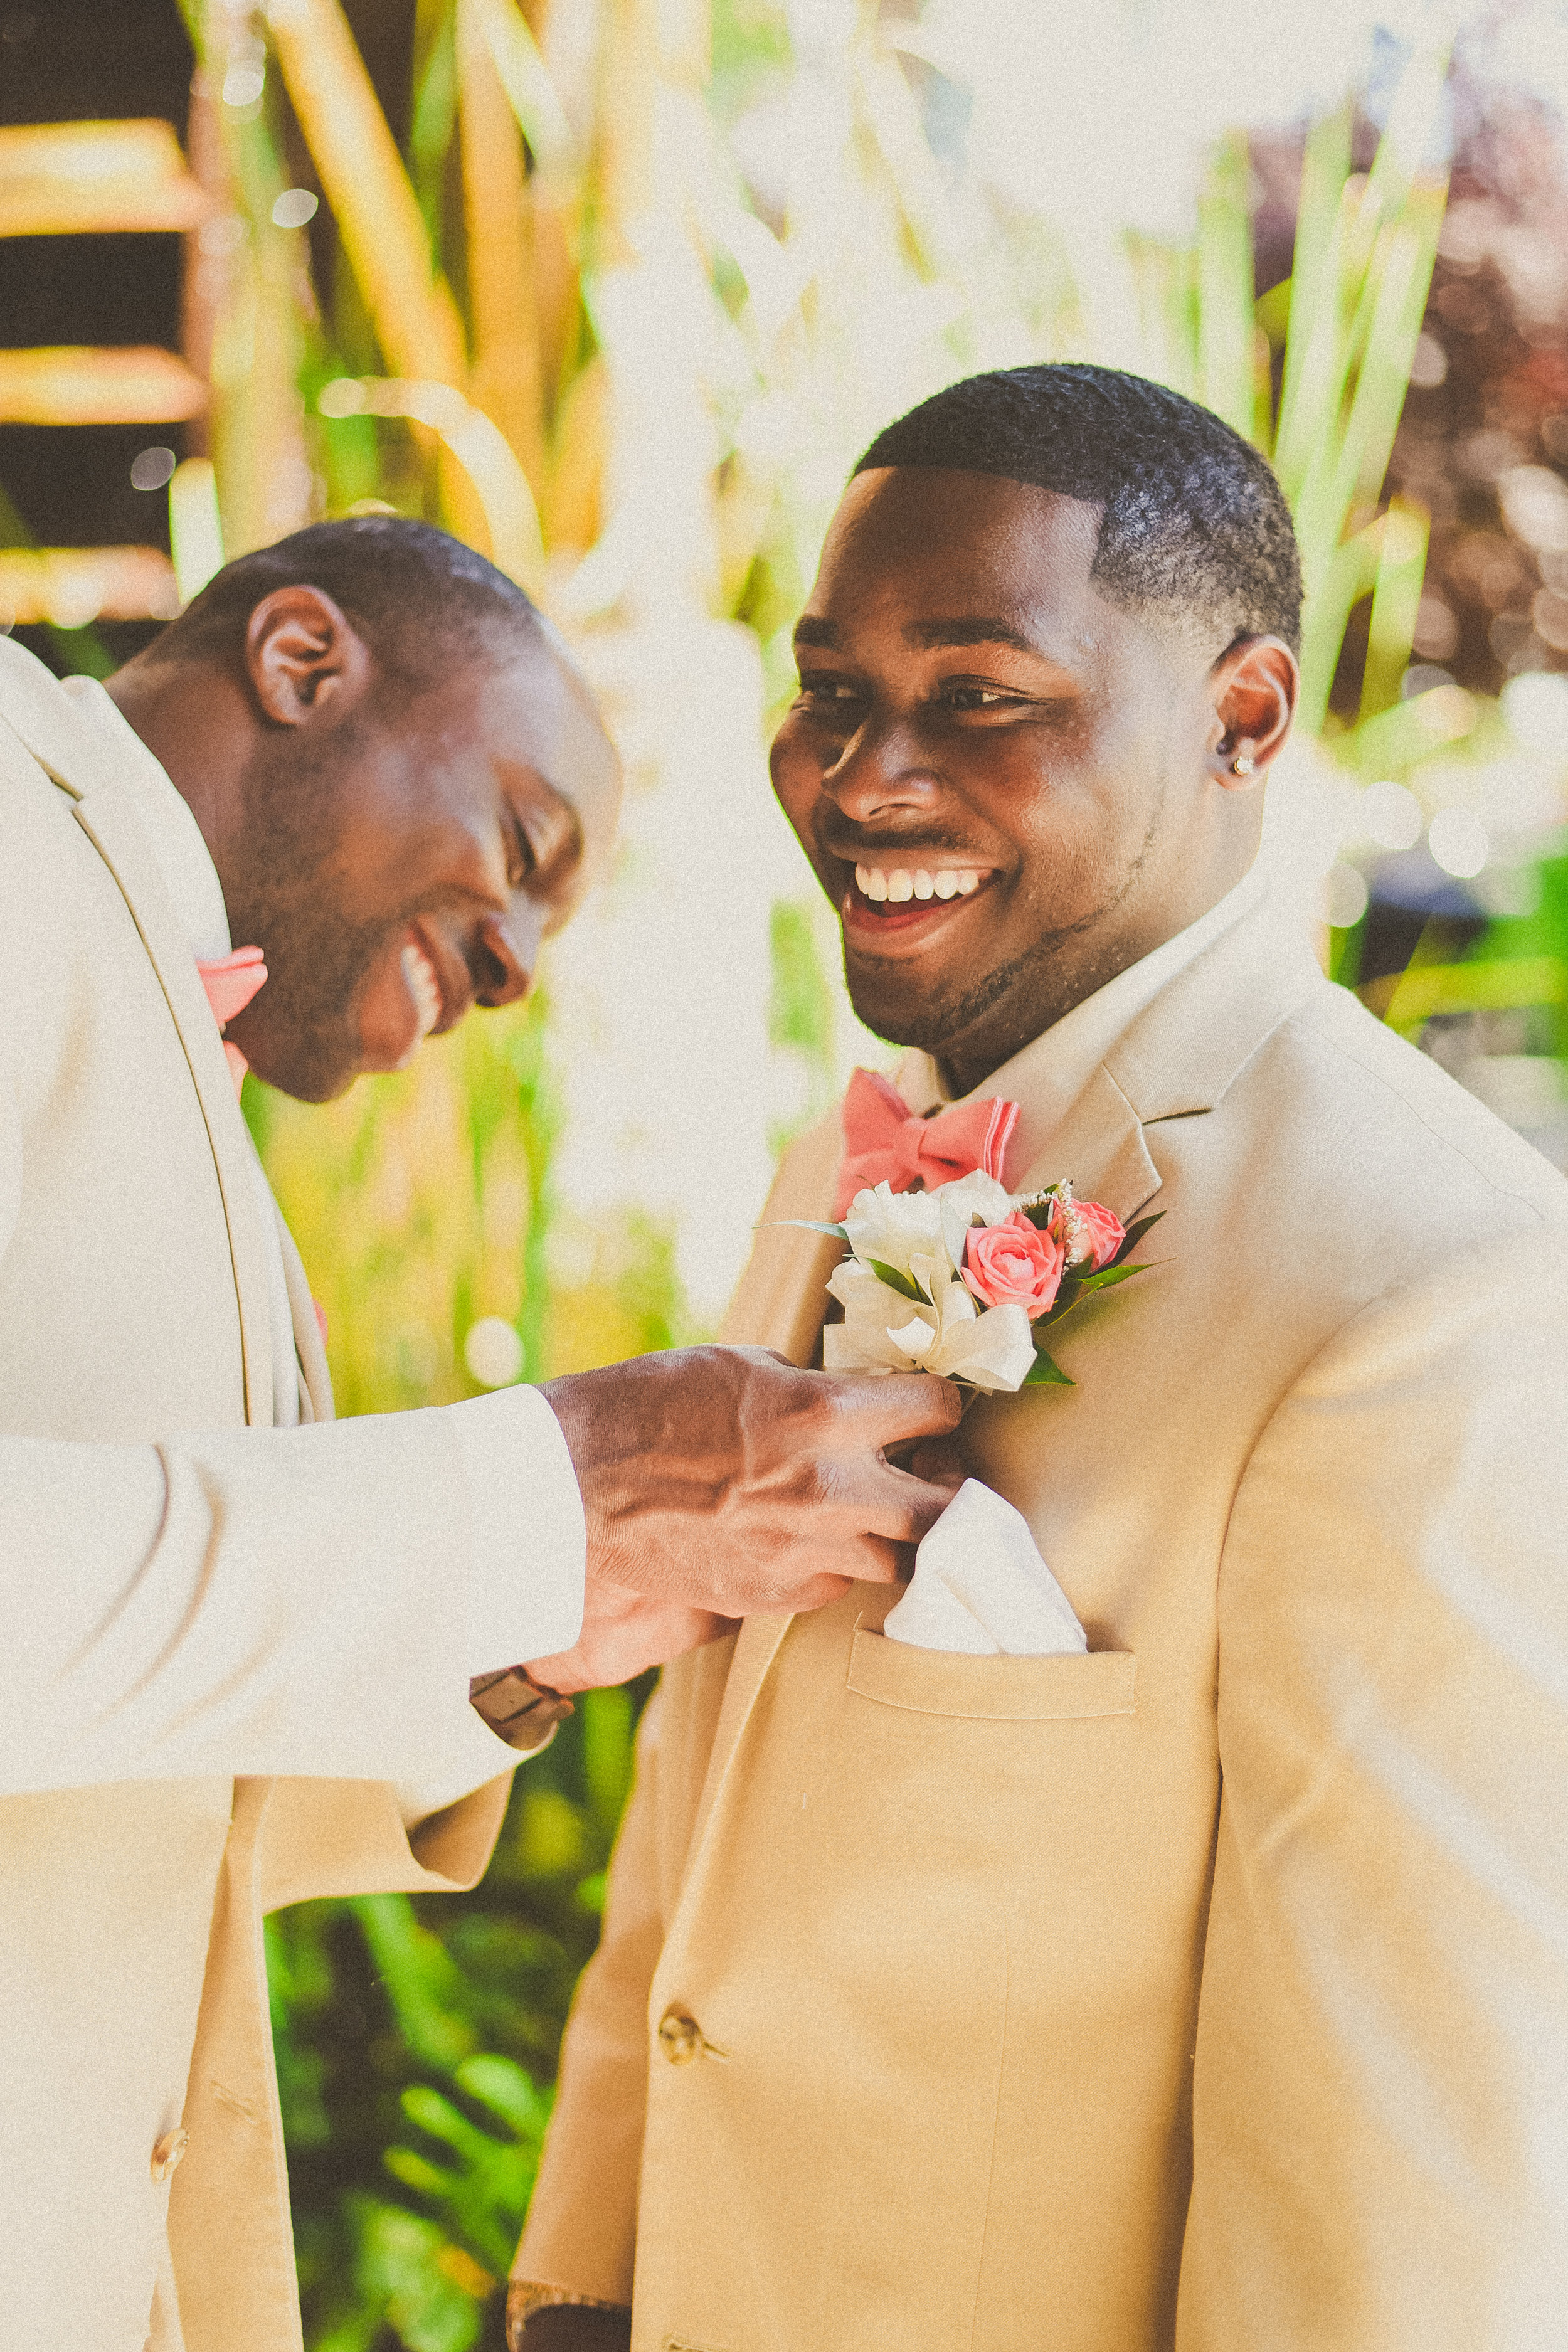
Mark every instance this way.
x=529 y=1539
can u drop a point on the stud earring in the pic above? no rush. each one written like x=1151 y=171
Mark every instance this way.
x=1241 y=765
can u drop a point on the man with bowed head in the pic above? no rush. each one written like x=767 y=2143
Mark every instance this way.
x=335 y=804
x=1208 y=1988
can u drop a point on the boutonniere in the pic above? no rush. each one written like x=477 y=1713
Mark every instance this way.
x=962 y=1278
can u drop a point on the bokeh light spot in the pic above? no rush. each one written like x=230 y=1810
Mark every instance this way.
x=1459 y=842
x=151 y=468
x=243 y=85
x=1345 y=897
x=493 y=1352
x=1391 y=815
x=294 y=207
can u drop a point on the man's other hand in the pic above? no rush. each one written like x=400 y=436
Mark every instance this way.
x=721 y=1481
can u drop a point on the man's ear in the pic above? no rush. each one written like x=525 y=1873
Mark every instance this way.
x=1255 y=683
x=304 y=657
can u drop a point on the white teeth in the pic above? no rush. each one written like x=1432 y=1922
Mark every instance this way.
x=896 y=885
x=422 y=986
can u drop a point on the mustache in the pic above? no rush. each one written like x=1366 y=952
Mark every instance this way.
x=866 y=851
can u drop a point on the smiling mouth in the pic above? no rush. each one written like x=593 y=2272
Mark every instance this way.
x=883 y=898
x=425 y=989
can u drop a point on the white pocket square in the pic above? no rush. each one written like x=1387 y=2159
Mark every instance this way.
x=980 y=1586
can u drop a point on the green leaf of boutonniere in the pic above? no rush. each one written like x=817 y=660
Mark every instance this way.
x=1044 y=1373
x=1109 y=1274
x=810 y=1225
x=1066 y=1299
x=1135 y=1234
x=904 y=1283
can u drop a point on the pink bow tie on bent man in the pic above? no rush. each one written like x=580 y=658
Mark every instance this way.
x=885 y=1143
x=231 y=981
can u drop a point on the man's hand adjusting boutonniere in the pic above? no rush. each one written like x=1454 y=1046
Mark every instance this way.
x=724 y=1481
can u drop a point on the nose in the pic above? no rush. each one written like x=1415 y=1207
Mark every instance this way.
x=506 y=952
x=880 y=772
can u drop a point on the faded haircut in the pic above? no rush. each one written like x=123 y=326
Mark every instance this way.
x=1192 y=518
x=424 y=603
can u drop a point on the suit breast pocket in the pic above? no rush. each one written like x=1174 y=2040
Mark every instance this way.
x=991 y=1689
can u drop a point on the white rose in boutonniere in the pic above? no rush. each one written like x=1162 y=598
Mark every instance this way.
x=930 y=1323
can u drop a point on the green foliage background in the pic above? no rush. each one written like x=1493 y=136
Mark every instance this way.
x=414 y=2038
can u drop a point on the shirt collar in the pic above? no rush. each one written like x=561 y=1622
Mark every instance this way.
x=1046 y=1077
x=173 y=834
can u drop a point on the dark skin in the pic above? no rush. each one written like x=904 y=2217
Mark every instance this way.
x=355 y=825
x=350 y=821
x=971 y=701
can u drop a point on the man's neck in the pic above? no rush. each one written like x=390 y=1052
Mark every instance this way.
x=968 y=1066
x=183 y=714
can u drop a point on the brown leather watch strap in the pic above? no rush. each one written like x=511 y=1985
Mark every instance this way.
x=518 y=1709
x=537 y=2318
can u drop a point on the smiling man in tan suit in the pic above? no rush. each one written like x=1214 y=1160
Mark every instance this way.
x=1209 y=1990
x=236 y=1644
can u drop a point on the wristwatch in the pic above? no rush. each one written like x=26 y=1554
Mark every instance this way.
x=518 y=1709
x=525 y=2296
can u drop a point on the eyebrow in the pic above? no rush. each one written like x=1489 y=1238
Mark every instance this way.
x=929 y=637
x=967 y=629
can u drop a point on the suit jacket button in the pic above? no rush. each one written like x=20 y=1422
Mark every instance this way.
x=167 y=2152
x=680 y=2036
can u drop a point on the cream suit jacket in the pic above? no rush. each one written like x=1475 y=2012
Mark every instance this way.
x=134 y=1865
x=1210 y=1989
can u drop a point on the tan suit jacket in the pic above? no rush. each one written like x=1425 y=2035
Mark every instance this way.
x=1210 y=1989
x=313 y=1581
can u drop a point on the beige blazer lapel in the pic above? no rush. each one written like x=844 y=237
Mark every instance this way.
x=107 y=815
x=316 y=1403
x=781 y=1295
x=1099 y=1150
x=1182 y=1053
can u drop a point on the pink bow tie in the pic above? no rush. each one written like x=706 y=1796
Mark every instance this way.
x=231 y=981
x=886 y=1144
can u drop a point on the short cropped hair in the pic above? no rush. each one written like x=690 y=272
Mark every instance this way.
x=423 y=601
x=1192 y=517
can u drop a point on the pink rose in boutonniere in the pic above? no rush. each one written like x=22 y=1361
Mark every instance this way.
x=1015 y=1264
x=1098 y=1237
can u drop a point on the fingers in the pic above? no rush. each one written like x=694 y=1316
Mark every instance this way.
x=938 y=1461
x=878 y=1500
x=890 y=1408
x=878 y=1561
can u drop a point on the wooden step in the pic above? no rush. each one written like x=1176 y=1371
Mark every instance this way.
x=69 y=586
x=76 y=384
x=63 y=179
